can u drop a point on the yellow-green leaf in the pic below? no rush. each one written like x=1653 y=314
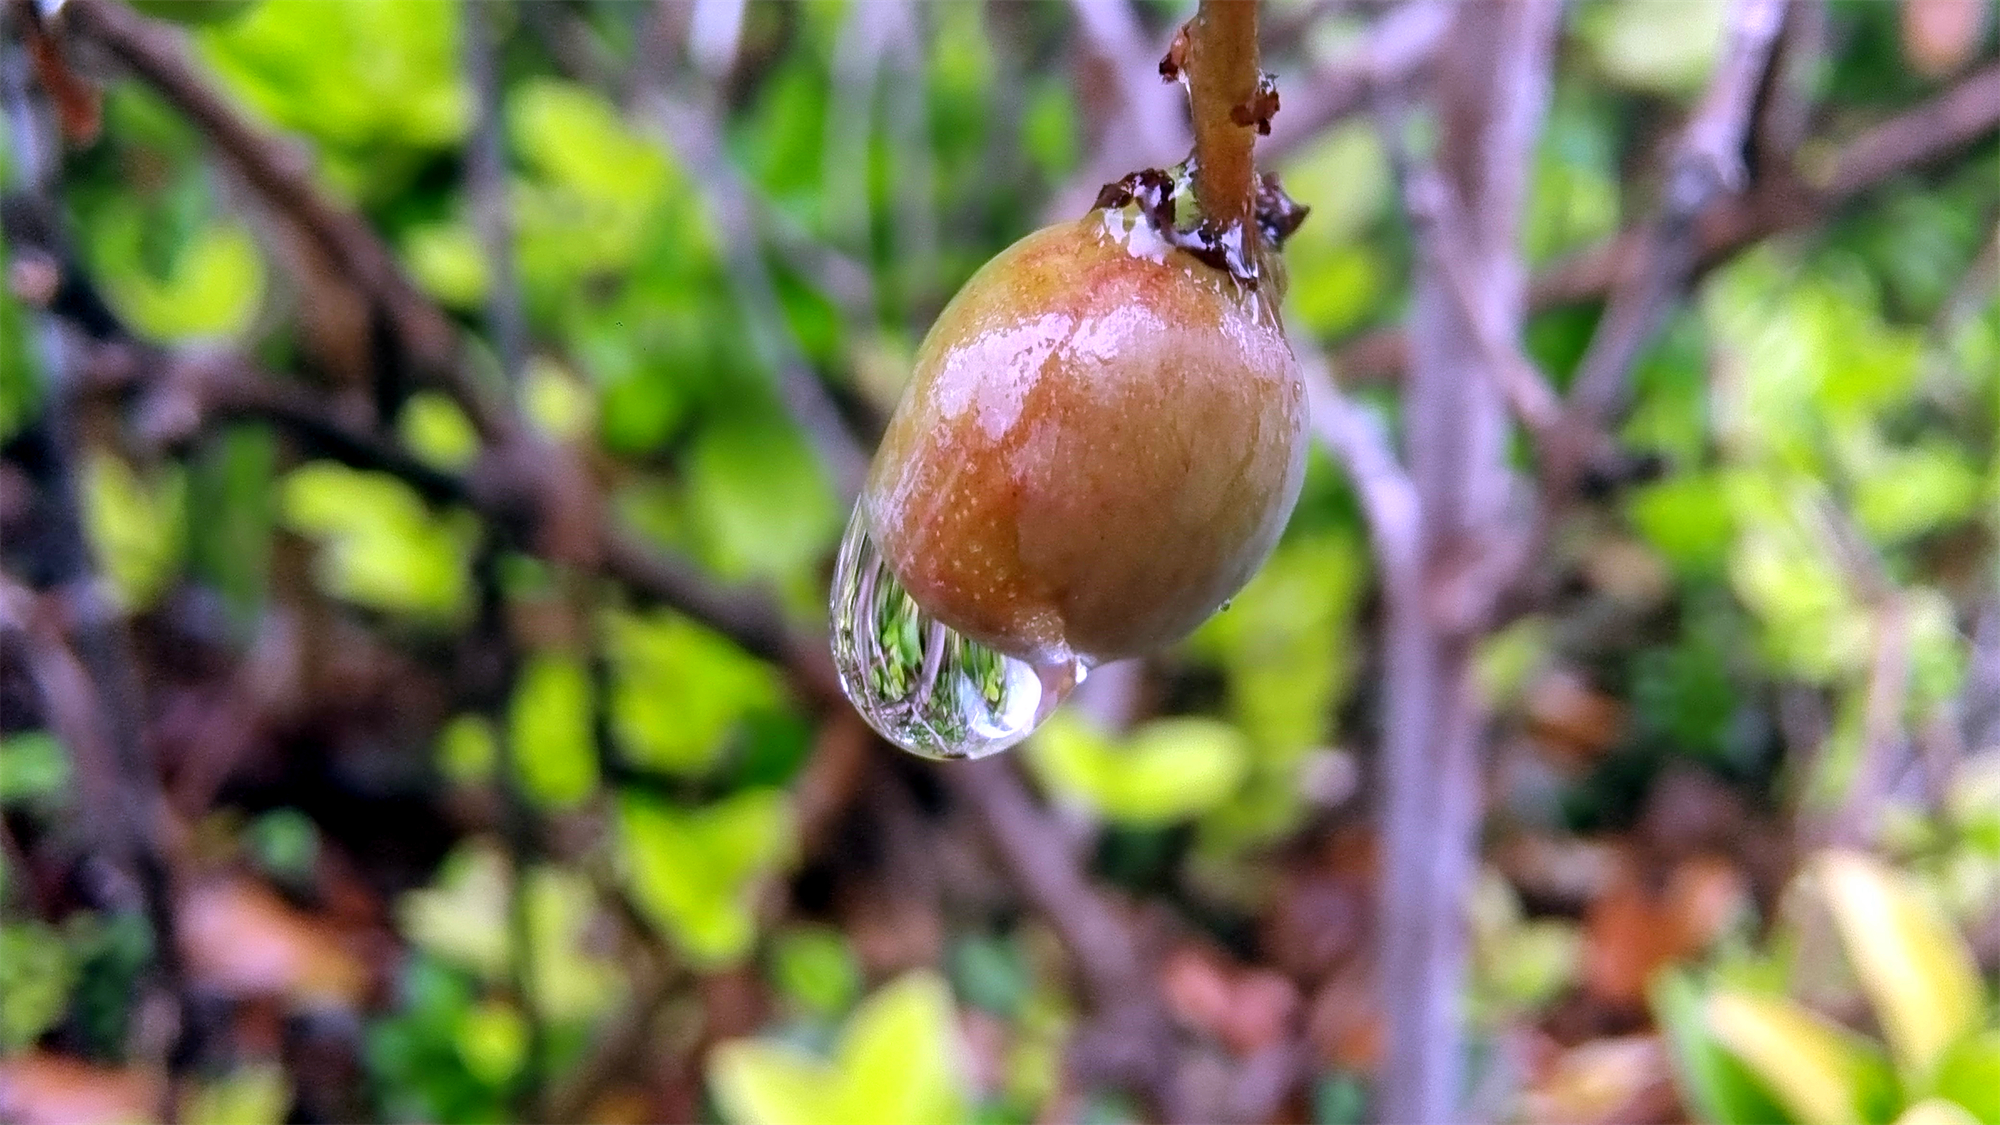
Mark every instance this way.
x=1915 y=968
x=1817 y=1071
x=897 y=1061
x=1168 y=770
x=1936 y=1111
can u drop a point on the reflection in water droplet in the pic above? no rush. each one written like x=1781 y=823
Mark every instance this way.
x=921 y=685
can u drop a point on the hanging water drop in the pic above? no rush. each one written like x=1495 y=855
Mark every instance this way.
x=919 y=683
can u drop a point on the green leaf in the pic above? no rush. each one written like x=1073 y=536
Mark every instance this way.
x=36 y=975
x=138 y=527
x=1665 y=48
x=1716 y=1085
x=257 y=1094
x=467 y=750
x=211 y=287
x=466 y=918
x=447 y=261
x=896 y=1061
x=1916 y=969
x=1686 y=517
x=759 y=500
x=679 y=690
x=1969 y=1074
x=694 y=872
x=816 y=967
x=375 y=82
x=34 y=769
x=1936 y=1111
x=462 y=916
x=550 y=725
x=1821 y=1073
x=1168 y=770
x=1913 y=491
x=380 y=545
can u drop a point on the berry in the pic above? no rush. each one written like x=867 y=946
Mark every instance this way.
x=1102 y=441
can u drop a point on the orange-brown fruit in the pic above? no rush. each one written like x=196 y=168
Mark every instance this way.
x=1102 y=440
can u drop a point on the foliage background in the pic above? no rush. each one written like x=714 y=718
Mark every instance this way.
x=655 y=874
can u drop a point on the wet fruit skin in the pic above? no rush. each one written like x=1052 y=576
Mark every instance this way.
x=1101 y=443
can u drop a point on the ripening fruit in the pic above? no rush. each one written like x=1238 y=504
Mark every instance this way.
x=1102 y=440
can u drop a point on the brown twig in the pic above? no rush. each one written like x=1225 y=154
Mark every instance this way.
x=1222 y=79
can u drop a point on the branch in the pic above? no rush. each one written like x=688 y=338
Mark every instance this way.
x=1396 y=51
x=1707 y=164
x=88 y=681
x=1357 y=441
x=1964 y=115
x=486 y=185
x=282 y=177
x=1222 y=81
x=1490 y=94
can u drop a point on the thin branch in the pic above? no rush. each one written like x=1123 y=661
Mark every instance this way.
x=89 y=678
x=486 y=185
x=1395 y=52
x=693 y=135
x=1440 y=226
x=1934 y=131
x=1145 y=130
x=281 y=176
x=1359 y=443
x=1707 y=164
x=1222 y=81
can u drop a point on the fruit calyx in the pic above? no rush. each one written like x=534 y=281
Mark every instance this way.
x=1157 y=195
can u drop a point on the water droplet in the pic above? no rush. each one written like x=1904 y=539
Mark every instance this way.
x=921 y=685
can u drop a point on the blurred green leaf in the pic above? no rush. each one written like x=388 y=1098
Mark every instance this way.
x=1718 y=1086
x=285 y=843
x=759 y=500
x=678 y=690
x=1913 y=491
x=138 y=526
x=374 y=81
x=897 y=1061
x=1167 y=770
x=1686 y=518
x=380 y=545
x=815 y=966
x=36 y=975
x=1665 y=48
x=436 y=430
x=34 y=769
x=211 y=286
x=493 y=1041
x=694 y=871
x=447 y=261
x=1969 y=1074
x=467 y=750
x=550 y=724
x=1936 y=1111
x=1916 y=969
x=1821 y=1073
x=248 y=1095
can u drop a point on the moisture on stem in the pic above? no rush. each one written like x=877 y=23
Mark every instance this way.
x=1225 y=94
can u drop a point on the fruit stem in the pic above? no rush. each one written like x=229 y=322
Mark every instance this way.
x=1222 y=88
